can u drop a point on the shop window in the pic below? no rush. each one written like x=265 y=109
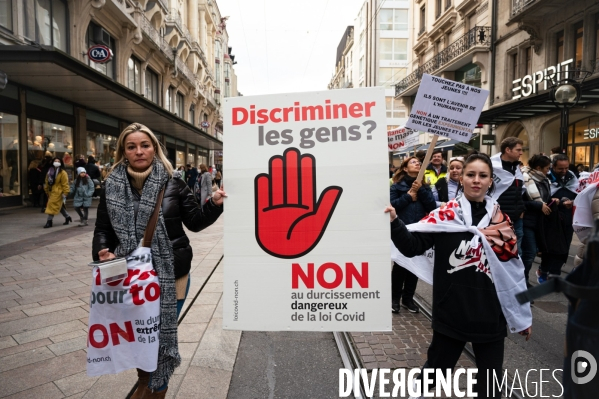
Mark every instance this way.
x=102 y=147
x=45 y=22
x=179 y=101
x=559 y=46
x=470 y=75
x=578 y=32
x=134 y=74
x=394 y=108
x=50 y=139
x=191 y=154
x=97 y=35
x=9 y=156
x=181 y=157
x=6 y=14
x=151 y=86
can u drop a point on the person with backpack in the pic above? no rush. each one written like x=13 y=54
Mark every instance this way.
x=83 y=187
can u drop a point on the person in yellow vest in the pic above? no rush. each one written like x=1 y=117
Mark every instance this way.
x=435 y=170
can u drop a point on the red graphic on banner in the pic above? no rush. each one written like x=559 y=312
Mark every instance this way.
x=289 y=220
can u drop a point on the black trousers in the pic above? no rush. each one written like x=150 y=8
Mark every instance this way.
x=403 y=284
x=445 y=351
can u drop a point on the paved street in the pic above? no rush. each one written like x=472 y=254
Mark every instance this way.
x=44 y=290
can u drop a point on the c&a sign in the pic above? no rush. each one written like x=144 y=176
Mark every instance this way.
x=99 y=53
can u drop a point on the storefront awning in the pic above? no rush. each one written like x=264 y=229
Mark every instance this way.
x=537 y=105
x=56 y=73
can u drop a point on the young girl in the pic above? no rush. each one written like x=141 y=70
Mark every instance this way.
x=476 y=274
x=83 y=188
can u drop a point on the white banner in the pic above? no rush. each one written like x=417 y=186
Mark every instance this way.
x=306 y=240
x=401 y=138
x=447 y=108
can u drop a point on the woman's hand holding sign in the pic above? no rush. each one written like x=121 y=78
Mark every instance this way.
x=289 y=221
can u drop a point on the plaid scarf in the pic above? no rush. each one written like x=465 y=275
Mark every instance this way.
x=130 y=230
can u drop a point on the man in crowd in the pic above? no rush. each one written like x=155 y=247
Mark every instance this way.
x=192 y=176
x=92 y=169
x=509 y=183
x=563 y=187
x=435 y=170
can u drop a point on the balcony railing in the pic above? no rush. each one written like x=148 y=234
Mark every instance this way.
x=154 y=35
x=174 y=17
x=185 y=70
x=479 y=36
x=519 y=5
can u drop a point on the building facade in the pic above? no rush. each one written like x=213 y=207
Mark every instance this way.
x=539 y=43
x=169 y=69
x=374 y=52
x=450 y=39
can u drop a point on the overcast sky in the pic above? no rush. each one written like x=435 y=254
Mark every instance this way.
x=284 y=46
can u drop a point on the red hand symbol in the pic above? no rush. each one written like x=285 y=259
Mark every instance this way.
x=288 y=223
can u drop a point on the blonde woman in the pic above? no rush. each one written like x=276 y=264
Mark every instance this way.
x=141 y=170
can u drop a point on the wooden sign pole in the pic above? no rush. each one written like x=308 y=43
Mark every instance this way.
x=427 y=157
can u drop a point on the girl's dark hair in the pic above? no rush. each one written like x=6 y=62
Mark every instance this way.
x=473 y=156
x=61 y=162
x=539 y=161
x=81 y=179
x=400 y=174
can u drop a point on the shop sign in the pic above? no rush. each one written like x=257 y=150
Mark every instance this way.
x=527 y=85
x=590 y=134
x=99 y=53
x=489 y=139
x=205 y=124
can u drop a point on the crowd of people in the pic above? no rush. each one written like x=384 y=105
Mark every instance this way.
x=50 y=187
x=486 y=218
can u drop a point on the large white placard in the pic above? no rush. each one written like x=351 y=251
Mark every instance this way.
x=447 y=108
x=306 y=241
x=401 y=138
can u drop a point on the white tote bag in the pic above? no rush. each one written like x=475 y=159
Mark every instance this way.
x=124 y=316
x=124 y=319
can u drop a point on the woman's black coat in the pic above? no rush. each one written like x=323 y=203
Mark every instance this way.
x=179 y=208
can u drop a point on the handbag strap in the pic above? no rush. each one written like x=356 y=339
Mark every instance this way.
x=151 y=227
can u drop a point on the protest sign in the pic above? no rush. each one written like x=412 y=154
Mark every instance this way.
x=447 y=108
x=401 y=138
x=306 y=240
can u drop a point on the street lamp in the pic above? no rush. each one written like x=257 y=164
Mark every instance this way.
x=565 y=95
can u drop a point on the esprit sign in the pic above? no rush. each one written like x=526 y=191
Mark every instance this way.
x=99 y=53
x=527 y=85
x=590 y=134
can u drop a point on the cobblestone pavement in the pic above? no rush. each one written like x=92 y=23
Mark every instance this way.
x=44 y=291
